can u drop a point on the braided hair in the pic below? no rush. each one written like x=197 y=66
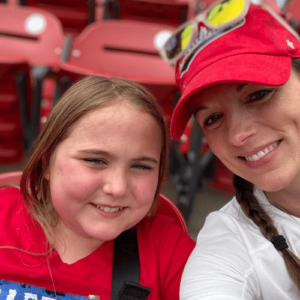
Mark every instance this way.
x=253 y=210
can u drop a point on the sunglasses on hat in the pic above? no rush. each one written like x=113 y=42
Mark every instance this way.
x=219 y=17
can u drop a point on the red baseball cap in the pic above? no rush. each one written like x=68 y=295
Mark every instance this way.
x=258 y=51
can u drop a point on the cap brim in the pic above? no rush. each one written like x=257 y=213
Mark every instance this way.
x=259 y=69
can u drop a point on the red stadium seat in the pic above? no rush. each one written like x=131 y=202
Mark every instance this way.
x=14 y=91
x=74 y=15
x=35 y=34
x=126 y=49
x=168 y=12
x=35 y=38
x=10 y=178
x=168 y=208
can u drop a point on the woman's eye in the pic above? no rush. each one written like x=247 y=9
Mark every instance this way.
x=212 y=119
x=259 y=95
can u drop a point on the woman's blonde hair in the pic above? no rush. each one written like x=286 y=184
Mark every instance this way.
x=87 y=95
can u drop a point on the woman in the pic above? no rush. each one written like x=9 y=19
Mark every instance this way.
x=239 y=72
x=95 y=173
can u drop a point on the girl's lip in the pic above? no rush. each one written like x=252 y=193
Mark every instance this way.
x=110 y=206
x=256 y=150
x=111 y=215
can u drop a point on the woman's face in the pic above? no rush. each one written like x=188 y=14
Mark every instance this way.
x=104 y=175
x=254 y=130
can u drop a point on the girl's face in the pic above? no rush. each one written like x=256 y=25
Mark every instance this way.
x=254 y=130
x=104 y=175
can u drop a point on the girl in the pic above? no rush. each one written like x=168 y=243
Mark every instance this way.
x=239 y=72
x=95 y=172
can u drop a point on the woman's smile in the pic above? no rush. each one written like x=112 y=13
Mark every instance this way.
x=261 y=153
x=254 y=130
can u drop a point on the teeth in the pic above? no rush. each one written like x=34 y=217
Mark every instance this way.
x=262 y=153
x=109 y=209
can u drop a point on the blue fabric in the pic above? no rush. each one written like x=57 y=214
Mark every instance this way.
x=18 y=291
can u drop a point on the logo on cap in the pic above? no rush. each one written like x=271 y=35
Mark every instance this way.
x=290 y=44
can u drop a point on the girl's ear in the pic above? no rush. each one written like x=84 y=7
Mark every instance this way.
x=46 y=168
x=47 y=174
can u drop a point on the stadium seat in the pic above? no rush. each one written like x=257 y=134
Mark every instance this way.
x=74 y=15
x=36 y=38
x=125 y=49
x=10 y=178
x=15 y=102
x=167 y=12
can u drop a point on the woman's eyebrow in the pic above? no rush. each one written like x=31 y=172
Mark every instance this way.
x=202 y=107
x=240 y=87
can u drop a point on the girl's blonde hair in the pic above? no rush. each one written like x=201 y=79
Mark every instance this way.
x=87 y=95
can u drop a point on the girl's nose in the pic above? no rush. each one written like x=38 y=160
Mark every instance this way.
x=116 y=184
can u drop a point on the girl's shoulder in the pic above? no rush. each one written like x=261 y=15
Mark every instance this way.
x=160 y=232
x=163 y=251
x=11 y=202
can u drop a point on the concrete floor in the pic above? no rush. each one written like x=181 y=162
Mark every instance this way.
x=206 y=201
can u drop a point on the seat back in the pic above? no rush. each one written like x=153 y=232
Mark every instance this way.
x=126 y=49
x=74 y=15
x=168 y=208
x=14 y=85
x=35 y=34
x=168 y=12
x=10 y=178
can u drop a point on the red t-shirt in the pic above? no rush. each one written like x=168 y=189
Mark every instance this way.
x=163 y=250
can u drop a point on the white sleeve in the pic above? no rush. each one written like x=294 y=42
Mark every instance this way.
x=220 y=266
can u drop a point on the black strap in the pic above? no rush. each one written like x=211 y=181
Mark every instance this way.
x=126 y=269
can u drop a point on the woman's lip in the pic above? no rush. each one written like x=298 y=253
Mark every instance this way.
x=256 y=150
x=264 y=161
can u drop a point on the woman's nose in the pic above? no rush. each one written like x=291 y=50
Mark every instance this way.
x=116 y=184
x=240 y=127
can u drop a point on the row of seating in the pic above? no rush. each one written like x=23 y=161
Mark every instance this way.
x=38 y=56
x=41 y=55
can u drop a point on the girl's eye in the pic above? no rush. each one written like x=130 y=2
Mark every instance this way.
x=141 y=167
x=95 y=161
x=259 y=95
x=211 y=120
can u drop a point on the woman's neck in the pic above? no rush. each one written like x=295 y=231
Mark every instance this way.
x=287 y=200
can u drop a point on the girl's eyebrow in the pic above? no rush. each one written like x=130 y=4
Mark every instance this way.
x=150 y=159
x=94 y=151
